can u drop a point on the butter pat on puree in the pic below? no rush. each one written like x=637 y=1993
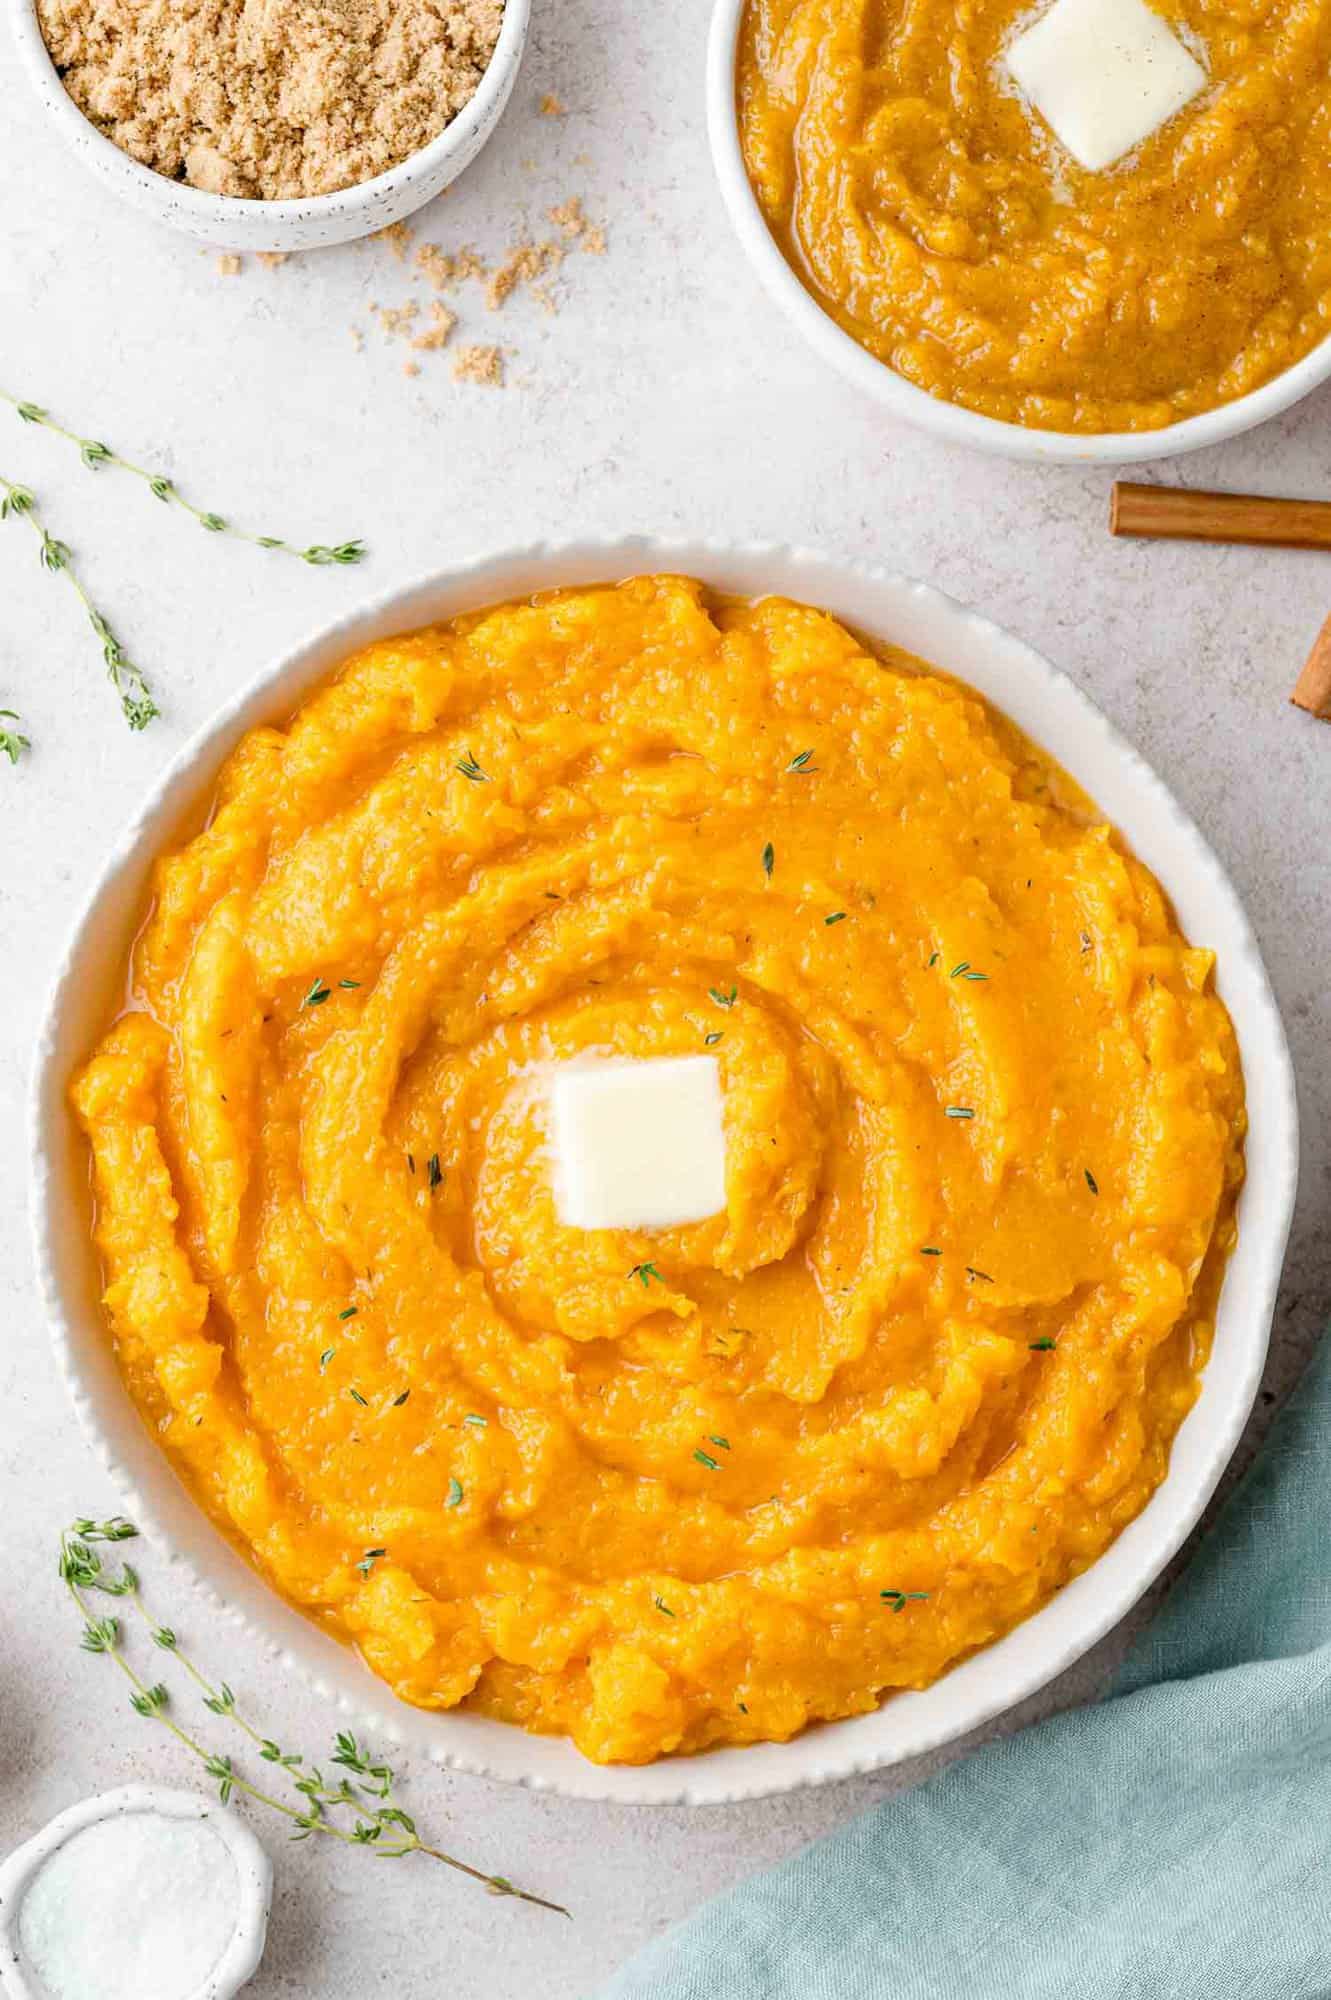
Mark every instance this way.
x=638 y=1145
x=1105 y=74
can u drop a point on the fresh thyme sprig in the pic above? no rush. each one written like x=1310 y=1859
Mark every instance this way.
x=136 y=699
x=95 y=454
x=378 y=1821
x=12 y=742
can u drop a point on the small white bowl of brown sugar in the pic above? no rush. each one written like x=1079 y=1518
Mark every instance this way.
x=275 y=124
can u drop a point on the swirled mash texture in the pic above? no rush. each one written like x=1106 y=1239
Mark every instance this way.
x=662 y=1490
x=935 y=217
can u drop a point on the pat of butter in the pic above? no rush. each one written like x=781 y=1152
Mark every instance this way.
x=638 y=1145
x=1104 y=74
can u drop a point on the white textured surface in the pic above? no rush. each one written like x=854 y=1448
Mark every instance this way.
x=638 y=1145
x=667 y=395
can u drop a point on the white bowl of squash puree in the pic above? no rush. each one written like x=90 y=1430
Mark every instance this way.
x=925 y=230
x=800 y=1489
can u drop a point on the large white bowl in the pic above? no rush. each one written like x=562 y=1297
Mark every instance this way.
x=1058 y=716
x=915 y=406
x=302 y=224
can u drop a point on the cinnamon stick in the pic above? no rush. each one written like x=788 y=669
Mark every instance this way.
x=1175 y=514
x=1312 y=690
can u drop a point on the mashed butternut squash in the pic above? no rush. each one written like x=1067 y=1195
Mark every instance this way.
x=983 y=1116
x=933 y=214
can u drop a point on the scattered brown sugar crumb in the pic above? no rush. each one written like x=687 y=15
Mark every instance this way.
x=524 y=264
x=411 y=368
x=396 y=320
x=229 y=264
x=397 y=235
x=482 y=365
x=270 y=259
x=551 y=106
x=271 y=98
x=436 y=334
x=570 y=218
x=442 y=269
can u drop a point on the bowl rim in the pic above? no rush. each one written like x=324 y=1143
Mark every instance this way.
x=1045 y=703
x=225 y=215
x=951 y=421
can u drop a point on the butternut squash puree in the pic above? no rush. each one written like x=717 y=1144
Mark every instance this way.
x=939 y=222
x=983 y=1133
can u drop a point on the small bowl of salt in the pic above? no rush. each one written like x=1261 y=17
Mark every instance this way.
x=137 y=1894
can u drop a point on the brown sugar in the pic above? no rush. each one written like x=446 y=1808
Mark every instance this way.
x=442 y=269
x=570 y=218
x=482 y=365
x=436 y=334
x=551 y=106
x=397 y=235
x=271 y=99
x=524 y=265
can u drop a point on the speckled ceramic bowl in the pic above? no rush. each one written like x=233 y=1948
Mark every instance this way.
x=1057 y=715
x=235 y=224
x=239 y=1958
x=901 y=398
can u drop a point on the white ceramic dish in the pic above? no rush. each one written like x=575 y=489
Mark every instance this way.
x=236 y=224
x=254 y=1883
x=1058 y=716
x=901 y=398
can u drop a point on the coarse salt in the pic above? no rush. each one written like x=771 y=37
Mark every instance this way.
x=139 y=1907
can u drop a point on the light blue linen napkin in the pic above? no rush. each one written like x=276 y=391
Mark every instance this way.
x=1171 y=1843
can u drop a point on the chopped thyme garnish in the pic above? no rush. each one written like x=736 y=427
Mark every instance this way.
x=647 y=1272
x=357 y=1397
x=663 y=1607
x=958 y=1111
x=369 y=1559
x=1091 y=1180
x=411 y=1162
x=803 y=762
x=326 y=1357
x=721 y=997
x=454 y=1493
x=553 y=896
x=934 y=958
x=705 y=1458
x=348 y=985
x=348 y=1312
x=317 y=994
x=398 y=1401
x=899 y=1599
x=435 y=1171
x=963 y=970
x=480 y=1423
x=467 y=767
x=723 y=1442
x=837 y=917
x=1042 y=1346
x=930 y=1250
x=1085 y=942
x=981 y=1277
x=710 y=1041
x=769 y=860
x=742 y=1707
